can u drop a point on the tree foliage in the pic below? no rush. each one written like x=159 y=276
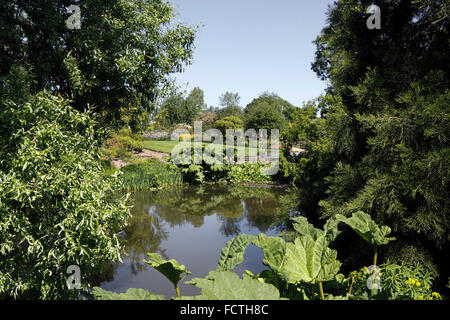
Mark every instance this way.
x=230 y=122
x=178 y=109
x=235 y=111
x=381 y=143
x=229 y=99
x=268 y=111
x=56 y=208
x=118 y=61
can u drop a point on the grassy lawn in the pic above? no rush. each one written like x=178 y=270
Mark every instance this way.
x=167 y=146
x=161 y=146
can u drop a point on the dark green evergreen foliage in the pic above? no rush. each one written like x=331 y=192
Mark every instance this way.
x=382 y=142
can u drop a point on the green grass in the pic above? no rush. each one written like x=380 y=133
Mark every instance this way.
x=161 y=146
x=167 y=146
x=150 y=174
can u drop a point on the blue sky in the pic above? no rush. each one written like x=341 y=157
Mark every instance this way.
x=252 y=46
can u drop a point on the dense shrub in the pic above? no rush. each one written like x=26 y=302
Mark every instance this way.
x=210 y=171
x=121 y=144
x=230 y=122
x=55 y=208
x=247 y=172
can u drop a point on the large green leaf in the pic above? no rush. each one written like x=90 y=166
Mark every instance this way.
x=131 y=294
x=304 y=228
x=307 y=259
x=233 y=253
x=170 y=268
x=226 y=285
x=310 y=260
x=274 y=249
x=363 y=225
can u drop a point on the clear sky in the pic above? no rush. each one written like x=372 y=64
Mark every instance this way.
x=252 y=46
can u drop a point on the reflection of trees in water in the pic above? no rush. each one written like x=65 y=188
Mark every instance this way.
x=155 y=213
x=260 y=212
x=191 y=204
x=230 y=227
x=144 y=234
x=229 y=207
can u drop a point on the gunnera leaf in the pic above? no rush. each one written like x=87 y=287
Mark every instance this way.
x=232 y=254
x=170 y=268
x=274 y=249
x=131 y=294
x=310 y=260
x=363 y=225
x=226 y=285
x=306 y=260
x=304 y=228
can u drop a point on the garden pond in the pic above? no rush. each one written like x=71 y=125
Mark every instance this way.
x=192 y=224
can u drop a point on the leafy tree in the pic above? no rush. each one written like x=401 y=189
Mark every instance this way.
x=176 y=108
x=207 y=119
x=234 y=111
x=194 y=103
x=118 y=61
x=230 y=122
x=268 y=111
x=172 y=111
x=229 y=99
x=261 y=114
x=274 y=99
x=56 y=208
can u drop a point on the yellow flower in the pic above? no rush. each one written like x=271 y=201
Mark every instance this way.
x=418 y=283
x=436 y=295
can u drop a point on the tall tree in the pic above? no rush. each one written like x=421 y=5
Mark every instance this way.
x=382 y=144
x=177 y=108
x=229 y=99
x=230 y=111
x=118 y=61
x=194 y=103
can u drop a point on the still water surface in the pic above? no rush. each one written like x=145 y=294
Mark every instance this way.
x=191 y=224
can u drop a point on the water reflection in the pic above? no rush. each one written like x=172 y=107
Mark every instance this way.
x=191 y=224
